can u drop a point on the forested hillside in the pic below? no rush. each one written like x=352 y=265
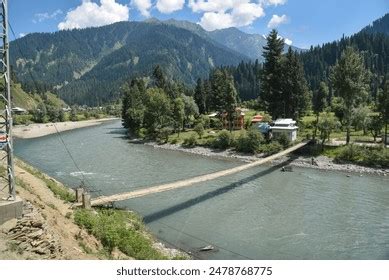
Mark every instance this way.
x=372 y=42
x=88 y=66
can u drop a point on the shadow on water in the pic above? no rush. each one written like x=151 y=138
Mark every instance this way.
x=209 y=195
x=120 y=131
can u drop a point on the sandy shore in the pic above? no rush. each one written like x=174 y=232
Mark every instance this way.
x=321 y=162
x=39 y=130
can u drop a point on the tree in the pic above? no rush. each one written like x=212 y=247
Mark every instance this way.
x=295 y=95
x=327 y=124
x=178 y=114
x=230 y=102
x=375 y=126
x=73 y=114
x=158 y=110
x=319 y=103
x=224 y=94
x=40 y=113
x=199 y=129
x=191 y=109
x=271 y=79
x=159 y=78
x=200 y=96
x=383 y=106
x=350 y=81
x=133 y=108
x=361 y=118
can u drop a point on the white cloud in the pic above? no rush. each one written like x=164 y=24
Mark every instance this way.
x=40 y=17
x=288 y=41
x=218 y=6
x=143 y=6
x=219 y=14
x=274 y=2
x=90 y=14
x=170 y=6
x=211 y=21
x=277 y=20
x=21 y=35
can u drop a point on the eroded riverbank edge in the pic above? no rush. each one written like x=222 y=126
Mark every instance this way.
x=47 y=229
x=321 y=162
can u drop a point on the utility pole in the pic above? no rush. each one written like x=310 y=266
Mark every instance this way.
x=6 y=143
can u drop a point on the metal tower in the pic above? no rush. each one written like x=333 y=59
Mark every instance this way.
x=6 y=144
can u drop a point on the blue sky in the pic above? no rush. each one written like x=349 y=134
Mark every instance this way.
x=304 y=22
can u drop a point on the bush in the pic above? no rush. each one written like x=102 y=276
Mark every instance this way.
x=271 y=148
x=118 y=229
x=191 y=141
x=163 y=134
x=216 y=123
x=249 y=142
x=199 y=129
x=369 y=156
x=205 y=121
x=223 y=140
x=283 y=140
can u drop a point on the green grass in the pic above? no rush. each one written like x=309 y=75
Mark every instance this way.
x=58 y=190
x=119 y=229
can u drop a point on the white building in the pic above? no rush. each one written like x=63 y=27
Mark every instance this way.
x=285 y=126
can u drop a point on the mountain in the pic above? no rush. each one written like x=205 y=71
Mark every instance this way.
x=250 y=45
x=88 y=66
x=379 y=26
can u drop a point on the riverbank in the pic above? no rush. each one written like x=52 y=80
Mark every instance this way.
x=49 y=230
x=320 y=162
x=38 y=130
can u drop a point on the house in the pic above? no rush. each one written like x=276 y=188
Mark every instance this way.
x=285 y=126
x=238 y=121
x=19 y=111
x=256 y=119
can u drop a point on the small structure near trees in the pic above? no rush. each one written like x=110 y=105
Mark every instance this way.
x=237 y=119
x=285 y=126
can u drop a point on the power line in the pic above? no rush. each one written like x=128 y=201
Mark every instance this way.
x=84 y=179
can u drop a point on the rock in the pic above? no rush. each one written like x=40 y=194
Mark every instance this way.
x=207 y=248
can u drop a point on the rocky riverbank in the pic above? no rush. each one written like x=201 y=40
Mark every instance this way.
x=320 y=162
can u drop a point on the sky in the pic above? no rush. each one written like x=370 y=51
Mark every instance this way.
x=301 y=22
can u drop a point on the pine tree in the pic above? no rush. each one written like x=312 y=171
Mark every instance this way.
x=350 y=81
x=383 y=107
x=200 y=96
x=295 y=95
x=319 y=103
x=271 y=79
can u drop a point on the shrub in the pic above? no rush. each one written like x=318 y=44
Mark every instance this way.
x=163 y=134
x=369 y=156
x=199 y=129
x=249 y=142
x=118 y=229
x=205 y=121
x=283 y=140
x=216 y=123
x=271 y=148
x=223 y=140
x=191 y=141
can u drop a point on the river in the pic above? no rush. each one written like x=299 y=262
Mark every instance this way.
x=257 y=214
